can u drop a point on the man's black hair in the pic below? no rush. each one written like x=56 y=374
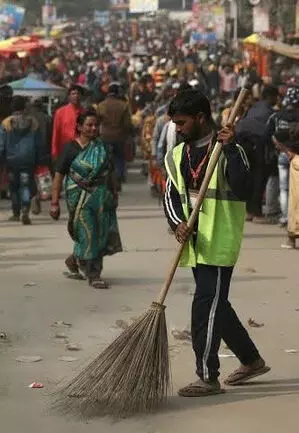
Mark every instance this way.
x=6 y=91
x=184 y=85
x=190 y=103
x=76 y=87
x=143 y=80
x=289 y=137
x=18 y=103
x=114 y=89
x=270 y=91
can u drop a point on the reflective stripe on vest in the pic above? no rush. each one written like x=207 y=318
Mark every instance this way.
x=216 y=195
x=171 y=168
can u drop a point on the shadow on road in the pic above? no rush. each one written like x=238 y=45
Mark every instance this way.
x=249 y=278
x=10 y=240
x=141 y=217
x=252 y=391
x=263 y=235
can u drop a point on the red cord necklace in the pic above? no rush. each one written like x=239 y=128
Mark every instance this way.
x=196 y=173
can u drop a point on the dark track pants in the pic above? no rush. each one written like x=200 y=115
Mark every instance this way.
x=213 y=319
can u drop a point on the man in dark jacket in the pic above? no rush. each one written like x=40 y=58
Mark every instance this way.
x=251 y=132
x=115 y=126
x=281 y=121
x=6 y=94
x=19 y=139
x=263 y=109
x=45 y=127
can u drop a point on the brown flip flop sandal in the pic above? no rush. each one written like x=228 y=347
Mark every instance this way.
x=197 y=389
x=240 y=377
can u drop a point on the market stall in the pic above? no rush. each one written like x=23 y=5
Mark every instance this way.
x=33 y=88
x=259 y=49
x=23 y=46
x=254 y=53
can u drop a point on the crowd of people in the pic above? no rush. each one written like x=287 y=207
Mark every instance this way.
x=121 y=80
x=145 y=91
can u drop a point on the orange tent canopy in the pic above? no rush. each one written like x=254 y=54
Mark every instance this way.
x=24 y=45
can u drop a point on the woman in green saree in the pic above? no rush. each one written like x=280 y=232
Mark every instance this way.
x=91 y=199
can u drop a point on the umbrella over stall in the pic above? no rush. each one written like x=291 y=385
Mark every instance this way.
x=24 y=46
x=33 y=88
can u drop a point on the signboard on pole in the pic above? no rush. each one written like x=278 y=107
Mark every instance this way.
x=261 y=22
x=143 y=6
x=195 y=8
x=203 y=38
x=11 y=20
x=219 y=21
x=101 y=17
x=119 y=4
x=208 y=19
x=49 y=15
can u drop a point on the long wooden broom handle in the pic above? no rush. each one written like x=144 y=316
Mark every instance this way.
x=201 y=195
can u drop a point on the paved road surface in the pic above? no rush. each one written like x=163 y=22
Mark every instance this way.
x=265 y=287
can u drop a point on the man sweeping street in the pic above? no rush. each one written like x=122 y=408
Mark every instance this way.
x=213 y=246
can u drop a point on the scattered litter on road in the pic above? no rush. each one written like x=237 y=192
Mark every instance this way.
x=95 y=337
x=93 y=309
x=174 y=349
x=30 y=284
x=181 y=335
x=67 y=359
x=73 y=347
x=36 y=385
x=3 y=336
x=60 y=324
x=227 y=355
x=122 y=324
x=250 y=270
x=61 y=336
x=28 y=359
x=253 y=324
x=125 y=308
x=291 y=351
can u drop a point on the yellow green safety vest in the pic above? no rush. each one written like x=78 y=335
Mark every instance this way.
x=221 y=219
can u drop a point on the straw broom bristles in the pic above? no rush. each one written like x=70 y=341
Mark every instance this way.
x=131 y=376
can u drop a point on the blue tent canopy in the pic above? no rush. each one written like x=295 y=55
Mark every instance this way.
x=31 y=87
